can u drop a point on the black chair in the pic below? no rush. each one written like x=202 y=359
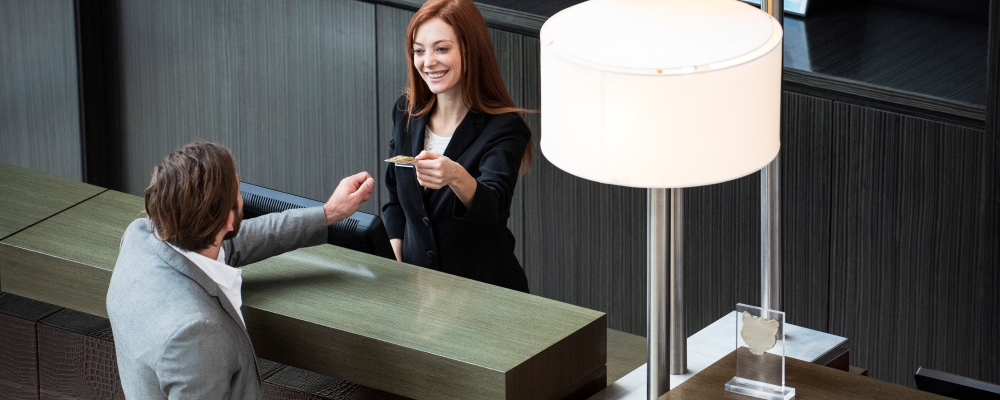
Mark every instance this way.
x=955 y=386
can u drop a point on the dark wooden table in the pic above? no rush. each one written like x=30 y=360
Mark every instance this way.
x=811 y=381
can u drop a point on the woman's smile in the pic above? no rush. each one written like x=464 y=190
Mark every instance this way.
x=435 y=75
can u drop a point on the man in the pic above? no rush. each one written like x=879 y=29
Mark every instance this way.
x=174 y=299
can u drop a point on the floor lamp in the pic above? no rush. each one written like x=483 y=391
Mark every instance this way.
x=661 y=94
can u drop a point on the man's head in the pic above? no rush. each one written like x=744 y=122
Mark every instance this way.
x=194 y=196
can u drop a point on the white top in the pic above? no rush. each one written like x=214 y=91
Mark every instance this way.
x=229 y=279
x=434 y=143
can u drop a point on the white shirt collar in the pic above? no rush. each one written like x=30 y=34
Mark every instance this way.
x=229 y=279
x=223 y=275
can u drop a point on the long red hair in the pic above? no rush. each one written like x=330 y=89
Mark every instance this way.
x=483 y=90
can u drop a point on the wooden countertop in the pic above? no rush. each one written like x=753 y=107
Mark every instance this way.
x=376 y=322
x=811 y=381
x=27 y=197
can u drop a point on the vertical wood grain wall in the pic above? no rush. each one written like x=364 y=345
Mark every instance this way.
x=39 y=101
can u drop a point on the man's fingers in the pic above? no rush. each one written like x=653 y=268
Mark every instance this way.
x=359 y=178
x=364 y=188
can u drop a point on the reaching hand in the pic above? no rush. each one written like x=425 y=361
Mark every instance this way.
x=435 y=171
x=350 y=193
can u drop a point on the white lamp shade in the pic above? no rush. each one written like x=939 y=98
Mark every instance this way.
x=660 y=93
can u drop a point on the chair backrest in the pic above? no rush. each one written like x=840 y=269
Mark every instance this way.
x=955 y=386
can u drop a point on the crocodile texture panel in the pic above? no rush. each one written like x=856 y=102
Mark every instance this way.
x=18 y=359
x=297 y=384
x=25 y=308
x=267 y=367
x=77 y=357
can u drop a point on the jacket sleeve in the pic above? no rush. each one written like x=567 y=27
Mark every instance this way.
x=392 y=212
x=273 y=234
x=498 y=171
x=198 y=362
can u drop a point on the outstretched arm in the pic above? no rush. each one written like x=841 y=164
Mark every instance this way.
x=277 y=233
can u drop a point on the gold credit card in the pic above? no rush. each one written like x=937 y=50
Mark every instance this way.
x=400 y=160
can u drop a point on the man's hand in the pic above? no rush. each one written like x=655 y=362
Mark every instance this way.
x=350 y=193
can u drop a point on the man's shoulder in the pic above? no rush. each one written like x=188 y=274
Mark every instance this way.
x=159 y=301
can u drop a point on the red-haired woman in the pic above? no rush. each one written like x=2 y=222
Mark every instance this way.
x=448 y=211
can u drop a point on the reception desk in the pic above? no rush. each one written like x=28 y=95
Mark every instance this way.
x=394 y=327
x=27 y=197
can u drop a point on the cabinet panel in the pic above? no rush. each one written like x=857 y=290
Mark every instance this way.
x=806 y=160
x=907 y=221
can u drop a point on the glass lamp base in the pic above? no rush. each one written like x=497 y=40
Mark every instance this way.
x=759 y=390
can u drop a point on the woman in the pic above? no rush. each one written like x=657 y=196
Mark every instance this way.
x=448 y=210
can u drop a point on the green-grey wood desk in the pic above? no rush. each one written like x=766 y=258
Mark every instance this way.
x=383 y=324
x=27 y=197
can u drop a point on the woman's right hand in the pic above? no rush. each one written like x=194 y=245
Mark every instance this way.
x=397 y=248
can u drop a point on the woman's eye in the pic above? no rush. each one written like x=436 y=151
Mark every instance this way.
x=418 y=51
x=442 y=49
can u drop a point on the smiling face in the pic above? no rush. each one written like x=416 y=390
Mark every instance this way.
x=437 y=58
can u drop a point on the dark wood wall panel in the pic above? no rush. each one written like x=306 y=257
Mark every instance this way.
x=585 y=244
x=721 y=249
x=988 y=234
x=532 y=90
x=906 y=285
x=510 y=53
x=295 y=101
x=178 y=75
x=390 y=30
x=307 y=89
x=806 y=159
x=39 y=100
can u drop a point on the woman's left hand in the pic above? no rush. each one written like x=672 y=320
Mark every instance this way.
x=435 y=171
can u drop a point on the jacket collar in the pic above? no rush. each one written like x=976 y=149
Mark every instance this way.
x=185 y=266
x=416 y=135
x=465 y=133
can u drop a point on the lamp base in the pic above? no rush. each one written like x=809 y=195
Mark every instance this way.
x=759 y=390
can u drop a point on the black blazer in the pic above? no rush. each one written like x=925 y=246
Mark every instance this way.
x=438 y=232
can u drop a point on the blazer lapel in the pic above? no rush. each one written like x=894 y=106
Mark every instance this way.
x=415 y=136
x=465 y=133
x=189 y=269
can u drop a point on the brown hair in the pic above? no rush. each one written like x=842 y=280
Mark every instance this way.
x=482 y=87
x=191 y=194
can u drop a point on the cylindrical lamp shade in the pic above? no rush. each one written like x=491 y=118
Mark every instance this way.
x=660 y=93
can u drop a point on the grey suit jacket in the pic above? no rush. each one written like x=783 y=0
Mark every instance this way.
x=176 y=334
